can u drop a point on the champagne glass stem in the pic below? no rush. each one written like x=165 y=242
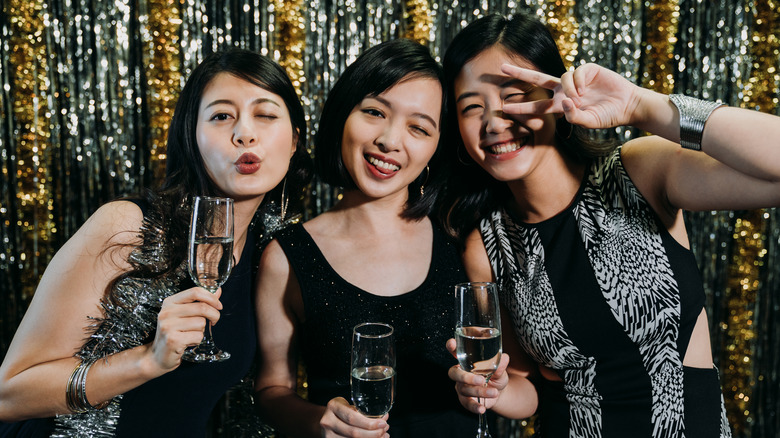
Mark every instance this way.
x=482 y=429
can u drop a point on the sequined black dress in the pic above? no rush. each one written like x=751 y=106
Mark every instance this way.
x=176 y=404
x=426 y=404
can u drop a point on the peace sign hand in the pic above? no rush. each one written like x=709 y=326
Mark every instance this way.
x=590 y=96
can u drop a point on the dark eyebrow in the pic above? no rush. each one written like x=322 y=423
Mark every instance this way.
x=230 y=102
x=420 y=115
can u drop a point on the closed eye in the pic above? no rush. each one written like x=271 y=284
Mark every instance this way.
x=421 y=130
x=471 y=107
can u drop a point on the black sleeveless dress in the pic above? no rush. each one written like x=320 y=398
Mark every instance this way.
x=426 y=404
x=178 y=404
x=603 y=295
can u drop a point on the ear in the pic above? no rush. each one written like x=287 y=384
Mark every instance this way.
x=296 y=134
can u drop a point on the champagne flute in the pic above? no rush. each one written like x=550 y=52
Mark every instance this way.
x=478 y=334
x=210 y=261
x=373 y=368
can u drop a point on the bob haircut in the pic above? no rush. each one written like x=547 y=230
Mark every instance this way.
x=375 y=71
x=523 y=36
x=185 y=168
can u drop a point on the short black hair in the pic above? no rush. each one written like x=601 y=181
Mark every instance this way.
x=373 y=72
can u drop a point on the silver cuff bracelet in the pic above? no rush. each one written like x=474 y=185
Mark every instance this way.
x=693 y=114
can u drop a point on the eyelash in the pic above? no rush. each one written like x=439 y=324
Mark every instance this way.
x=373 y=112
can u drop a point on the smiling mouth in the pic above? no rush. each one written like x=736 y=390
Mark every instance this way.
x=506 y=147
x=382 y=166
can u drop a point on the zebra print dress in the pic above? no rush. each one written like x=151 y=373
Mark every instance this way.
x=604 y=296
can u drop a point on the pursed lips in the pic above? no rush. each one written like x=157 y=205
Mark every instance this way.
x=247 y=163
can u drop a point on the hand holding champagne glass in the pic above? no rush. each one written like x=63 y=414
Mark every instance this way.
x=373 y=368
x=210 y=261
x=478 y=333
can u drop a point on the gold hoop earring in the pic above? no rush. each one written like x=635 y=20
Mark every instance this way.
x=571 y=131
x=460 y=158
x=427 y=174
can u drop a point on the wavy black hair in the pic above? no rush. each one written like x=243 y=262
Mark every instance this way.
x=373 y=72
x=186 y=175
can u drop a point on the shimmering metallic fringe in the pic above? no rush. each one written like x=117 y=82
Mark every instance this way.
x=660 y=25
x=290 y=39
x=562 y=22
x=760 y=93
x=160 y=30
x=30 y=102
x=744 y=274
x=418 y=21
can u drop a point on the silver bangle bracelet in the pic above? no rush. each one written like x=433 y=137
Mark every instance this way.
x=693 y=115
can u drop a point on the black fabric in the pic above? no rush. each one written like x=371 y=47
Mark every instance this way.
x=602 y=294
x=178 y=404
x=426 y=404
x=35 y=428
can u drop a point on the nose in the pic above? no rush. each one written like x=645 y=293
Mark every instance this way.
x=390 y=138
x=243 y=134
x=496 y=122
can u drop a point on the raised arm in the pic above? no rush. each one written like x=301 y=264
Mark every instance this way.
x=738 y=166
x=40 y=359
x=279 y=309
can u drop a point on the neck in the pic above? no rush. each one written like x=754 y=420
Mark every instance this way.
x=244 y=211
x=547 y=193
x=368 y=215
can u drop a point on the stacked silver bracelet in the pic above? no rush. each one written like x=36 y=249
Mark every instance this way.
x=693 y=115
x=76 y=391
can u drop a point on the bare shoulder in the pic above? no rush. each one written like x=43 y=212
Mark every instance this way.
x=649 y=161
x=475 y=258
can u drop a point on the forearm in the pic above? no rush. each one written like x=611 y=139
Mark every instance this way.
x=39 y=391
x=518 y=400
x=744 y=140
x=289 y=413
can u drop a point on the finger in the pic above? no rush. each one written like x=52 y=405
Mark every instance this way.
x=451 y=346
x=503 y=363
x=351 y=416
x=193 y=310
x=536 y=107
x=457 y=374
x=195 y=294
x=531 y=76
x=569 y=88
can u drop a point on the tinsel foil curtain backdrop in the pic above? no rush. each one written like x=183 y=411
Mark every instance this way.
x=87 y=89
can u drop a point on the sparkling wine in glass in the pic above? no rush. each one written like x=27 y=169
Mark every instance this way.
x=478 y=333
x=210 y=261
x=373 y=368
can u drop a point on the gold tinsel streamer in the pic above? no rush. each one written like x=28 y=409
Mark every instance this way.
x=164 y=78
x=744 y=273
x=33 y=156
x=560 y=19
x=761 y=93
x=418 y=21
x=661 y=26
x=290 y=39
